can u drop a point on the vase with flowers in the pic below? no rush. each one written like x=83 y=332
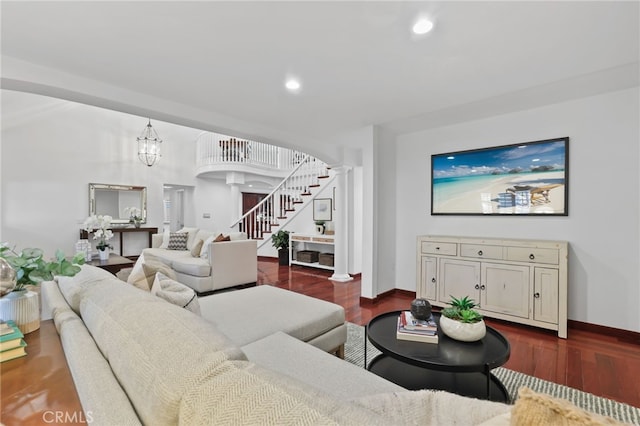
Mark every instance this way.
x=100 y=226
x=135 y=216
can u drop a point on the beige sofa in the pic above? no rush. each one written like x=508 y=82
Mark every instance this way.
x=214 y=266
x=137 y=359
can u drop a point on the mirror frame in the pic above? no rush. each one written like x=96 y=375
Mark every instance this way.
x=99 y=186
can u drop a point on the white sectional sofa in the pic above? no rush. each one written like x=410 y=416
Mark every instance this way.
x=214 y=266
x=137 y=359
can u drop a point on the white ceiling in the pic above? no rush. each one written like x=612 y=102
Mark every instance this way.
x=358 y=62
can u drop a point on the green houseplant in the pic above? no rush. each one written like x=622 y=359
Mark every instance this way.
x=31 y=268
x=461 y=322
x=280 y=240
x=28 y=267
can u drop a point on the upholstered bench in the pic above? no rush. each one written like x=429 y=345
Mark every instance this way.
x=251 y=314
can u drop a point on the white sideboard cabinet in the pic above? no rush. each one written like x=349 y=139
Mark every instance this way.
x=523 y=281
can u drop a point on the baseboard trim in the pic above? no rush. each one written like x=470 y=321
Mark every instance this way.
x=624 y=335
x=365 y=301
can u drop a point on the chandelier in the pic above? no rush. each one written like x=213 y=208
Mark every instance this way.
x=149 y=146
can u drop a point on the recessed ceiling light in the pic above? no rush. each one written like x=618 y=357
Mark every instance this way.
x=292 y=85
x=423 y=26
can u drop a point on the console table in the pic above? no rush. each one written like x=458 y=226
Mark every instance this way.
x=121 y=231
x=38 y=386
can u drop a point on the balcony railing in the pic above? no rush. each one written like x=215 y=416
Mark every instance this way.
x=214 y=150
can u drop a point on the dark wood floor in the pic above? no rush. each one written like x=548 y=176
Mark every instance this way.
x=595 y=363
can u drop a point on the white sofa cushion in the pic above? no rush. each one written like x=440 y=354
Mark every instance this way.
x=72 y=287
x=192 y=236
x=157 y=351
x=174 y=292
x=195 y=266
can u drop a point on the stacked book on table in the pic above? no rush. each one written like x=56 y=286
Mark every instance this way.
x=410 y=328
x=11 y=341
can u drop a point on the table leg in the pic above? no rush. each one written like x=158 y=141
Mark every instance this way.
x=487 y=372
x=365 y=347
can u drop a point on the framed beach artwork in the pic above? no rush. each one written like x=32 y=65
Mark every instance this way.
x=520 y=179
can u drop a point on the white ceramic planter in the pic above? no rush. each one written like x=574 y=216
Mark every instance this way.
x=104 y=254
x=22 y=307
x=465 y=332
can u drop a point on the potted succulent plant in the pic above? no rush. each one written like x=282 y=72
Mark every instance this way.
x=280 y=240
x=461 y=322
x=18 y=270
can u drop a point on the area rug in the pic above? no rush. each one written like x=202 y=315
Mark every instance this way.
x=512 y=380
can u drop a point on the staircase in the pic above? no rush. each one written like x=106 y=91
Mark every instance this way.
x=283 y=203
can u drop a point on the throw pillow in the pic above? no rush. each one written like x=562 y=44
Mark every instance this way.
x=219 y=238
x=174 y=292
x=178 y=241
x=532 y=408
x=144 y=271
x=165 y=239
x=192 y=235
x=204 y=253
x=197 y=247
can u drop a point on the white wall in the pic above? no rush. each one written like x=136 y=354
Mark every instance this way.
x=51 y=151
x=604 y=188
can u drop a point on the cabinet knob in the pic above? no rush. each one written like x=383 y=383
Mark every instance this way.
x=437 y=248
x=482 y=287
x=536 y=295
x=532 y=256
x=479 y=252
x=433 y=280
x=477 y=287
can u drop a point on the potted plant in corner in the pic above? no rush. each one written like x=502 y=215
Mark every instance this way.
x=461 y=322
x=280 y=240
x=25 y=269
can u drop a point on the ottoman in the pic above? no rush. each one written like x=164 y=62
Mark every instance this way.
x=250 y=314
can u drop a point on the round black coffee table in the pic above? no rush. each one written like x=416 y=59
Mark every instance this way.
x=459 y=367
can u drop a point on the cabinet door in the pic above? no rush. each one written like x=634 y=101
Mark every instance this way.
x=505 y=289
x=545 y=295
x=458 y=278
x=428 y=278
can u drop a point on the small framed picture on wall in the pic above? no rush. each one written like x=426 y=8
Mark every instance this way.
x=322 y=209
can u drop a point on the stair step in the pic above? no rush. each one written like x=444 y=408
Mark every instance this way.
x=323 y=177
x=289 y=210
x=315 y=185
x=283 y=217
x=306 y=193
x=298 y=202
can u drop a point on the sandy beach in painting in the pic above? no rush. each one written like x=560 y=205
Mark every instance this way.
x=547 y=195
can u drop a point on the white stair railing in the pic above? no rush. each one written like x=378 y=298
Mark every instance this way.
x=281 y=203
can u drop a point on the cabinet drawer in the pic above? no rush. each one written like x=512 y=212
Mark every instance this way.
x=432 y=247
x=300 y=238
x=481 y=251
x=533 y=255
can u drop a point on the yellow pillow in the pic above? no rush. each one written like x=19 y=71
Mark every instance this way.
x=532 y=408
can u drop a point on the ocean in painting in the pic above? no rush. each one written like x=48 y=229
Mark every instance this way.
x=470 y=188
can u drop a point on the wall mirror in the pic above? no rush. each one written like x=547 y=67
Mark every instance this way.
x=113 y=200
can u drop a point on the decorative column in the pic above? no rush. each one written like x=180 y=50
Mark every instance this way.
x=340 y=224
x=234 y=180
